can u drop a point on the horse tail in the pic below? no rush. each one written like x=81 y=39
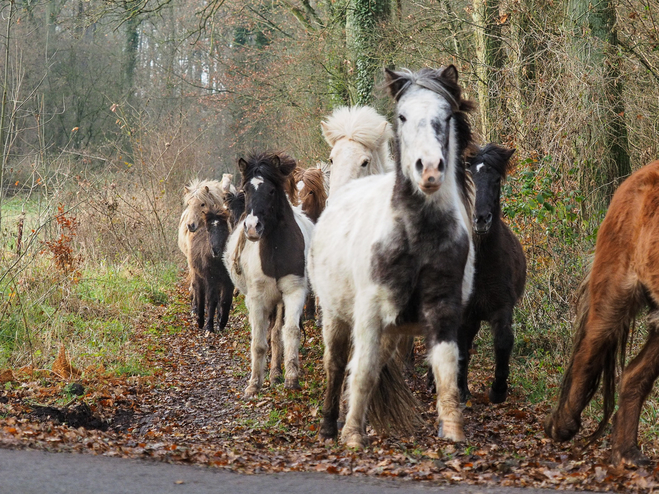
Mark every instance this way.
x=393 y=406
x=610 y=364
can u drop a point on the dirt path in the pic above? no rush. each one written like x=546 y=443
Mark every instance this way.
x=191 y=411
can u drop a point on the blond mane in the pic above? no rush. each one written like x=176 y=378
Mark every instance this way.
x=206 y=191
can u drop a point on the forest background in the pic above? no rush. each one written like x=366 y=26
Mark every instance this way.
x=110 y=107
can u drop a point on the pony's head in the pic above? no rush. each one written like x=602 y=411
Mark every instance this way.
x=488 y=168
x=311 y=189
x=359 y=137
x=432 y=131
x=198 y=195
x=264 y=178
x=226 y=183
x=216 y=221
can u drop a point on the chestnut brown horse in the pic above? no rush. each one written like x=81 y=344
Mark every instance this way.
x=311 y=190
x=623 y=279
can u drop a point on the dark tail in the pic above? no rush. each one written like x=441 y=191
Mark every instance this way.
x=393 y=406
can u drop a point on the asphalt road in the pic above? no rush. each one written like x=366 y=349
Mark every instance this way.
x=37 y=472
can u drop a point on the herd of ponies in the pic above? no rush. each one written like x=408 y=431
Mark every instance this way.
x=411 y=243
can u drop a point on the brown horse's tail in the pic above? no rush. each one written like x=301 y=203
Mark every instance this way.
x=393 y=406
x=608 y=364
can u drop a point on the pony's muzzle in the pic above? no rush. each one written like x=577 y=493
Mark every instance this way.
x=254 y=232
x=431 y=177
x=482 y=223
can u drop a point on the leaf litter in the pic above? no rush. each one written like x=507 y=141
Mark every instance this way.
x=191 y=410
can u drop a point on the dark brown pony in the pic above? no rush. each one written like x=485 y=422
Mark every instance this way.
x=500 y=271
x=211 y=283
x=311 y=189
x=623 y=279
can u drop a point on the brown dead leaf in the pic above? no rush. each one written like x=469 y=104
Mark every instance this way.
x=6 y=376
x=62 y=366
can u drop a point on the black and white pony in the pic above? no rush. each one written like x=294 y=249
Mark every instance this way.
x=392 y=255
x=265 y=257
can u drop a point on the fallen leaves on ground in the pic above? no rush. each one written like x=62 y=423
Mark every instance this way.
x=191 y=410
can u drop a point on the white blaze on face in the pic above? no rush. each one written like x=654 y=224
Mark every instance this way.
x=300 y=185
x=256 y=181
x=418 y=137
x=250 y=224
x=479 y=167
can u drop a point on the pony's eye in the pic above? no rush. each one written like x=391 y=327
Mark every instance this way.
x=365 y=164
x=203 y=205
x=402 y=118
x=331 y=161
x=272 y=192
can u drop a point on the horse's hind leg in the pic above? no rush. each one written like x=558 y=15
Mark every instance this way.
x=258 y=320
x=637 y=381
x=503 y=346
x=336 y=336
x=200 y=301
x=277 y=349
x=466 y=335
x=365 y=367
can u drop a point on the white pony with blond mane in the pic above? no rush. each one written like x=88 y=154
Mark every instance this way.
x=359 y=137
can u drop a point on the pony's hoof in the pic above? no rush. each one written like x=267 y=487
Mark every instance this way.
x=354 y=440
x=251 y=391
x=276 y=378
x=465 y=396
x=451 y=430
x=292 y=384
x=328 y=430
x=631 y=458
x=560 y=434
x=497 y=396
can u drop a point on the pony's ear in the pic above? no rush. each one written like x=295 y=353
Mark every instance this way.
x=186 y=189
x=242 y=166
x=395 y=82
x=450 y=73
x=329 y=136
x=509 y=153
x=286 y=166
x=207 y=189
x=385 y=132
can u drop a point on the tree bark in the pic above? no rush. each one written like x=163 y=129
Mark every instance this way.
x=362 y=20
x=604 y=152
x=490 y=57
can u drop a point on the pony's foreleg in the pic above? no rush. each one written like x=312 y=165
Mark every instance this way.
x=225 y=302
x=444 y=356
x=637 y=381
x=293 y=307
x=258 y=320
x=199 y=293
x=365 y=367
x=336 y=336
x=212 y=298
x=503 y=346
x=277 y=349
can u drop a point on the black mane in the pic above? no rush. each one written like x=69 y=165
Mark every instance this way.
x=494 y=156
x=273 y=166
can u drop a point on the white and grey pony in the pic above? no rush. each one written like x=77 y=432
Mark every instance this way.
x=392 y=255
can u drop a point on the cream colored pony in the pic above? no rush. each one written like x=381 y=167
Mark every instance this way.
x=359 y=137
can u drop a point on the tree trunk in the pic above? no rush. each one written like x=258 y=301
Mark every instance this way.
x=604 y=152
x=362 y=19
x=489 y=56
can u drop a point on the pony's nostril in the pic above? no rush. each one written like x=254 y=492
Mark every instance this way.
x=440 y=166
x=431 y=179
x=419 y=165
x=489 y=217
